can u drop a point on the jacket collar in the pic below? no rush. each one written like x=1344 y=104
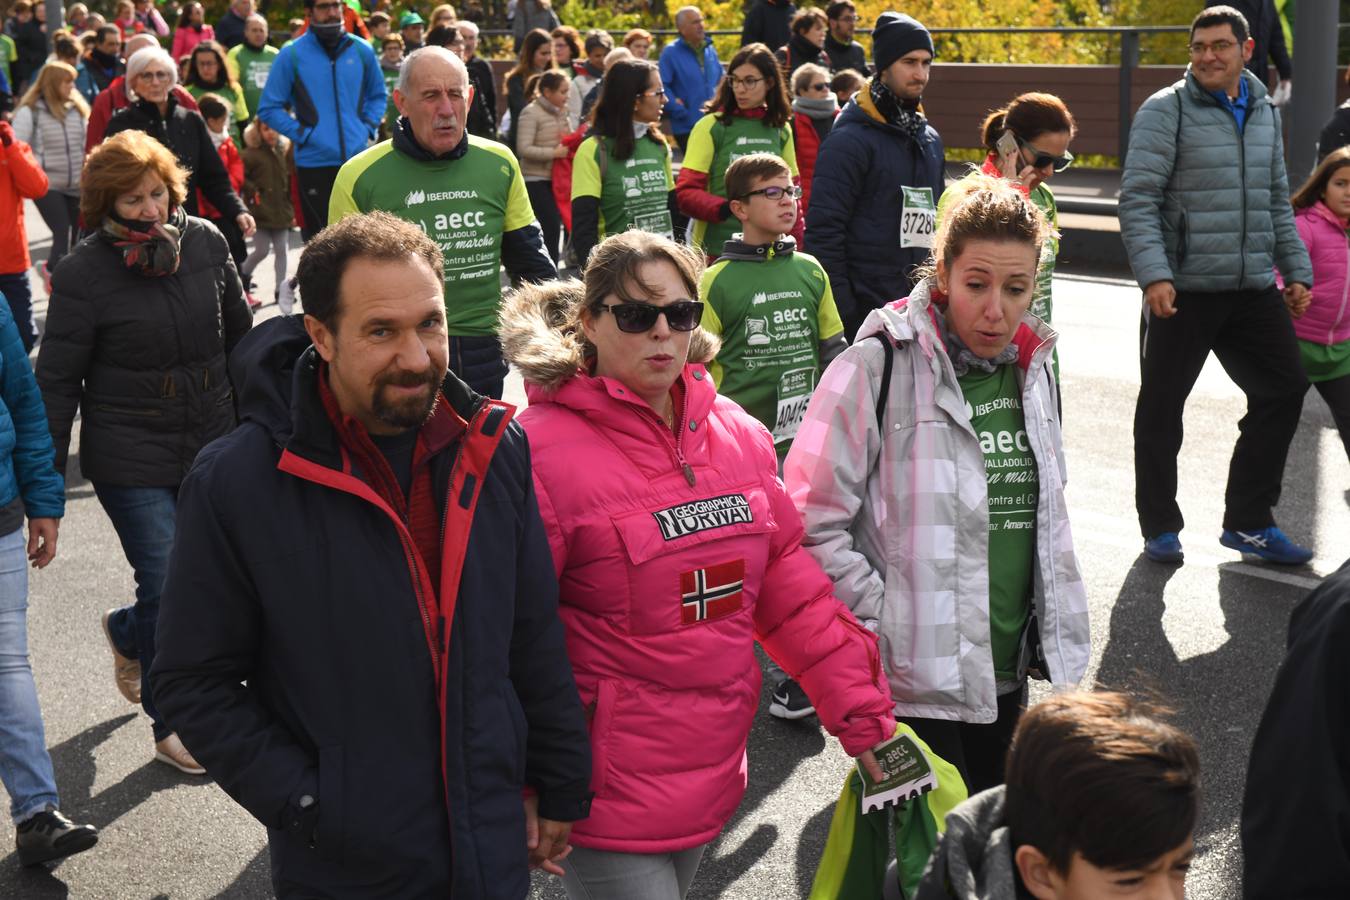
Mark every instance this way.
x=1257 y=94
x=405 y=143
x=1322 y=211
x=738 y=249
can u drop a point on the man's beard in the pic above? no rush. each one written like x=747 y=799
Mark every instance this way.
x=411 y=412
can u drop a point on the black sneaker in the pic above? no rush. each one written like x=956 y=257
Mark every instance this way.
x=789 y=701
x=50 y=835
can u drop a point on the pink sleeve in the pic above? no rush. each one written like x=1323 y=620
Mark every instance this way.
x=557 y=543
x=818 y=642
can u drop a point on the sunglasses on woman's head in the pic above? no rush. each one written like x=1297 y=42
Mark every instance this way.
x=635 y=318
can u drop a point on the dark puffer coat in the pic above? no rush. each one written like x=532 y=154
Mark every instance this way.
x=184 y=132
x=854 y=217
x=143 y=357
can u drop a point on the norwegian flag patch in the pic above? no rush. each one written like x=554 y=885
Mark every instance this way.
x=711 y=593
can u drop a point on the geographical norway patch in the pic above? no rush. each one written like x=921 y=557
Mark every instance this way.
x=703 y=515
x=711 y=593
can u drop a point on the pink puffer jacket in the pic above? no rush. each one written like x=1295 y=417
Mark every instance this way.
x=665 y=585
x=1327 y=320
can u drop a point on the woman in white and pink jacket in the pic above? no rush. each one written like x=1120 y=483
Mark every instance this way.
x=929 y=470
x=1322 y=323
x=676 y=549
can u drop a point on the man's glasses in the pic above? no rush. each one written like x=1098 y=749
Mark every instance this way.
x=1042 y=159
x=1219 y=47
x=847 y=19
x=635 y=318
x=748 y=83
x=775 y=192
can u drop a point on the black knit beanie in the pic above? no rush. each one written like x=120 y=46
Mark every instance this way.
x=895 y=35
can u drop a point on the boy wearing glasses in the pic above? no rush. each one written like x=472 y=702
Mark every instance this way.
x=773 y=309
x=1205 y=218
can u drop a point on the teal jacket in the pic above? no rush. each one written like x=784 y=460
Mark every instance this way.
x=1204 y=204
x=27 y=460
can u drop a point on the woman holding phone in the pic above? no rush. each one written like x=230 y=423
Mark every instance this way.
x=1028 y=142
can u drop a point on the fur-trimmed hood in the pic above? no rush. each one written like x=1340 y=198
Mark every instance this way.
x=540 y=338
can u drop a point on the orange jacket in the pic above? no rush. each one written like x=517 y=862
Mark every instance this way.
x=23 y=179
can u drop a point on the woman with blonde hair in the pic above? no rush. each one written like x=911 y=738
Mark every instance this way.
x=143 y=316
x=443 y=15
x=51 y=119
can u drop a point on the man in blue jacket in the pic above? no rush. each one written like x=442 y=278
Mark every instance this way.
x=359 y=633
x=326 y=93
x=1205 y=218
x=690 y=71
x=878 y=177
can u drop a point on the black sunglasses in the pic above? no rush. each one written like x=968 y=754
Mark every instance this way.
x=1045 y=159
x=635 y=318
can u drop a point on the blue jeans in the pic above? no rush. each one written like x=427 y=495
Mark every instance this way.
x=25 y=766
x=143 y=518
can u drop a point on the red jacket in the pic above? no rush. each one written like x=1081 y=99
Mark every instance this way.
x=24 y=180
x=234 y=165
x=110 y=100
x=806 y=141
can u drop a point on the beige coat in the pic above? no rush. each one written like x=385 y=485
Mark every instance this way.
x=542 y=126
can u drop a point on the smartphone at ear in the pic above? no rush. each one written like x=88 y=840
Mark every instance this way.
x=1007 y=148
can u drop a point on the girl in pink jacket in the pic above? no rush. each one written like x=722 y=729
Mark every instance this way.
x=1322 y=215
x=676 y=549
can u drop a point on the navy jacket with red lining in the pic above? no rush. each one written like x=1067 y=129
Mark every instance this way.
x=290 y=574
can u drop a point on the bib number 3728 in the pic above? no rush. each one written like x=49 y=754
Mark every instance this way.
x=918 y=217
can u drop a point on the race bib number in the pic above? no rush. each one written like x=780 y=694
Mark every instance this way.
x=918 y=218
x=655 y=223
x=794 y=393
x=260 y=76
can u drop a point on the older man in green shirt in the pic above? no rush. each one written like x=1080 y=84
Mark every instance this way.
x=252 y=60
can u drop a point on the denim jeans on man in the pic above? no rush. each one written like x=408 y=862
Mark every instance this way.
x=25 y=766
x=143 y=518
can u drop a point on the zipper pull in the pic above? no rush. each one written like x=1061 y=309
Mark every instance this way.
x=689 y=474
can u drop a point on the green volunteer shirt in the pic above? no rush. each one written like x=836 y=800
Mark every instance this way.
x=390 y=82
x=715 y=144
x=994 y=402
x=464 y=204
x=771 y=316
x=633 y=192
x=251 y=68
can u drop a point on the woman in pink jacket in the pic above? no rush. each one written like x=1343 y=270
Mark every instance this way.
x=1322 y=214
x=676 y=549
x=191 y=31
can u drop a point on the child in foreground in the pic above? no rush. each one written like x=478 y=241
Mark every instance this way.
x=1101 y=800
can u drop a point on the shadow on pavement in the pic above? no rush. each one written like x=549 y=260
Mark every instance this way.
x=253 y=883
x=1217 y=696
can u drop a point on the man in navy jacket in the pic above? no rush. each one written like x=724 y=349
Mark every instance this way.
x=878 y=177
x=359 y=636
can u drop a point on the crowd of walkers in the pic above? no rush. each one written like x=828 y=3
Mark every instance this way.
x=803 y=394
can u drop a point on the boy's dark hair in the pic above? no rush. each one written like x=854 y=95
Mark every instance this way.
x=378 y=18
x=837 y=9
x=744 y=172
x=1219 y=15
x=846 y=79
x=1101 y=775
x=808 y=18
x=596 y=39
x=375 y=235
x=212 y=106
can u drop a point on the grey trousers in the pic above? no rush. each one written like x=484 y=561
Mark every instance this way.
x=606 y=875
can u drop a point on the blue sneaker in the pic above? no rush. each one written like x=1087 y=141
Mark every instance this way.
x=1268 y=543
x=1164 y=548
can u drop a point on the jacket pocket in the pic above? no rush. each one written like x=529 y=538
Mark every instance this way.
x=599 y=719
x=331 y=834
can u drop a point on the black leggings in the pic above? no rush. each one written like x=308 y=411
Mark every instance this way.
x=546 y=211
x=1337 y=394
x=979 y=752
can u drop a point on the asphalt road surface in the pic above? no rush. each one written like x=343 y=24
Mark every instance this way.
x=1207 y=637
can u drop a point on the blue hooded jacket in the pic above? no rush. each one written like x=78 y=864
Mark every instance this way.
x=26 y=456
x=330 y=107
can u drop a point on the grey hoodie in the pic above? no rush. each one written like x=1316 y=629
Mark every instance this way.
x=974 y=857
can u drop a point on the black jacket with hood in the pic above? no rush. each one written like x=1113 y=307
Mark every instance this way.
x=297 y=658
